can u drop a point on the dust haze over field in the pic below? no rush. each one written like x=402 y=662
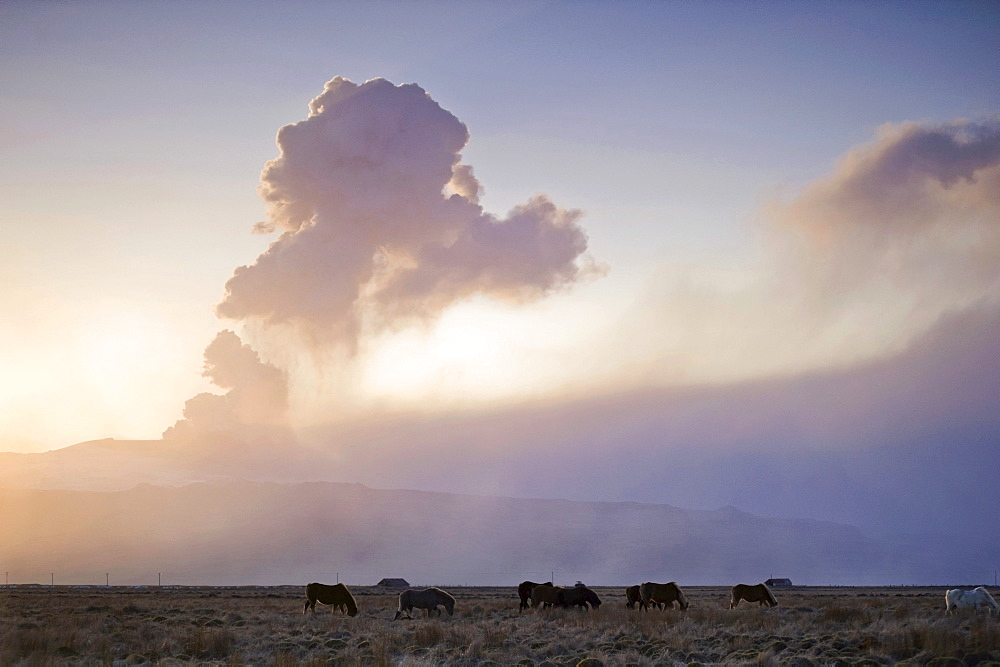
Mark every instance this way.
x=853 y=377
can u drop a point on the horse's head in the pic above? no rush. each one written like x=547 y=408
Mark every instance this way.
x=449 y=606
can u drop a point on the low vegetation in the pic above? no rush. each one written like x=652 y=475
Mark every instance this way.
x=172 y=626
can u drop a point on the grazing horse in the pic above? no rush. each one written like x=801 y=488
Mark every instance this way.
x=428 y=598
x=582 y=596
x=336 y=595
x=757 y=593
x=545 y=595
x=633 y=598
x=974 y=599
x=651 y=593
x=524 y=592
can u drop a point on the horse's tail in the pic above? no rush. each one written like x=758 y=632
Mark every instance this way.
x=310 y=598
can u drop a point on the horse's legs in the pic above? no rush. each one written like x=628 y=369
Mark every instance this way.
x=309 y=603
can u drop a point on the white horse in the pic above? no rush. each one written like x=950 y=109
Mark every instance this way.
x=974 y=599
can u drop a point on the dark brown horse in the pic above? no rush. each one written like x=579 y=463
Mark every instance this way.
x=633 y=598
x=582 y=596
x=337 y=595
x=524 y=592
x=756 y=593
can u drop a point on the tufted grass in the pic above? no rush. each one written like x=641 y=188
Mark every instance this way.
x=265 y=626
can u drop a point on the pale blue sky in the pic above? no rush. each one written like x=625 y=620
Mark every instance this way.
x=133 y=135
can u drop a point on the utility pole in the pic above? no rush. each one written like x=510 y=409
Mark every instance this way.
x=338 y=577
x=53 y=578
x=107 y=579
x=158 y=582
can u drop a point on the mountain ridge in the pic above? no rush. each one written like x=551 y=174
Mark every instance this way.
x=249 y=532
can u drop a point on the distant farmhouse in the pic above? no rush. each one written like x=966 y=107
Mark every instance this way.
x=778 y=582
x=394 y=583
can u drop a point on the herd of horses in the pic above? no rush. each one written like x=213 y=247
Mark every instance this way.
x=643 y=596
x=649 y=594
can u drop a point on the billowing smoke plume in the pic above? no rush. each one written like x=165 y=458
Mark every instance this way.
x=904 y=231
x=380 y=221
x=916 y=212
x=256 y=400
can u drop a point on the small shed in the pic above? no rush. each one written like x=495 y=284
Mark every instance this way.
x=390 y=582
x=778 y=582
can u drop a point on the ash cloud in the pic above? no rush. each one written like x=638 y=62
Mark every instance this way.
x=904 y=231
x=916 y=212
x=256 y=400
x=380 y=222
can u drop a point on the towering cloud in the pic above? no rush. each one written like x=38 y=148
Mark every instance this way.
x=380 y=221
x=257 y=396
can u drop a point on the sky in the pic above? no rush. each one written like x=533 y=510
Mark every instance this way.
x=527 y=203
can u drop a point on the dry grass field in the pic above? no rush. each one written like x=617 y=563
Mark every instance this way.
x=266 y=626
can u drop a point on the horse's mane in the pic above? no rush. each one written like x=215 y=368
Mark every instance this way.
x=989 y=598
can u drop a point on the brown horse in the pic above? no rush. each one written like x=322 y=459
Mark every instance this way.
x=337 y=595
x=582 y=596
x=633 y=598
x=653 y=593
x=524 y=592
x=756 y=593
x=428 y=598
x=544 y=595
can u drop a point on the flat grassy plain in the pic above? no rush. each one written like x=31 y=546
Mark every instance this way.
x=266 y=626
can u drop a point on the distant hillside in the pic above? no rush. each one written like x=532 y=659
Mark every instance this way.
x=239 y=532
x=115 y=465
